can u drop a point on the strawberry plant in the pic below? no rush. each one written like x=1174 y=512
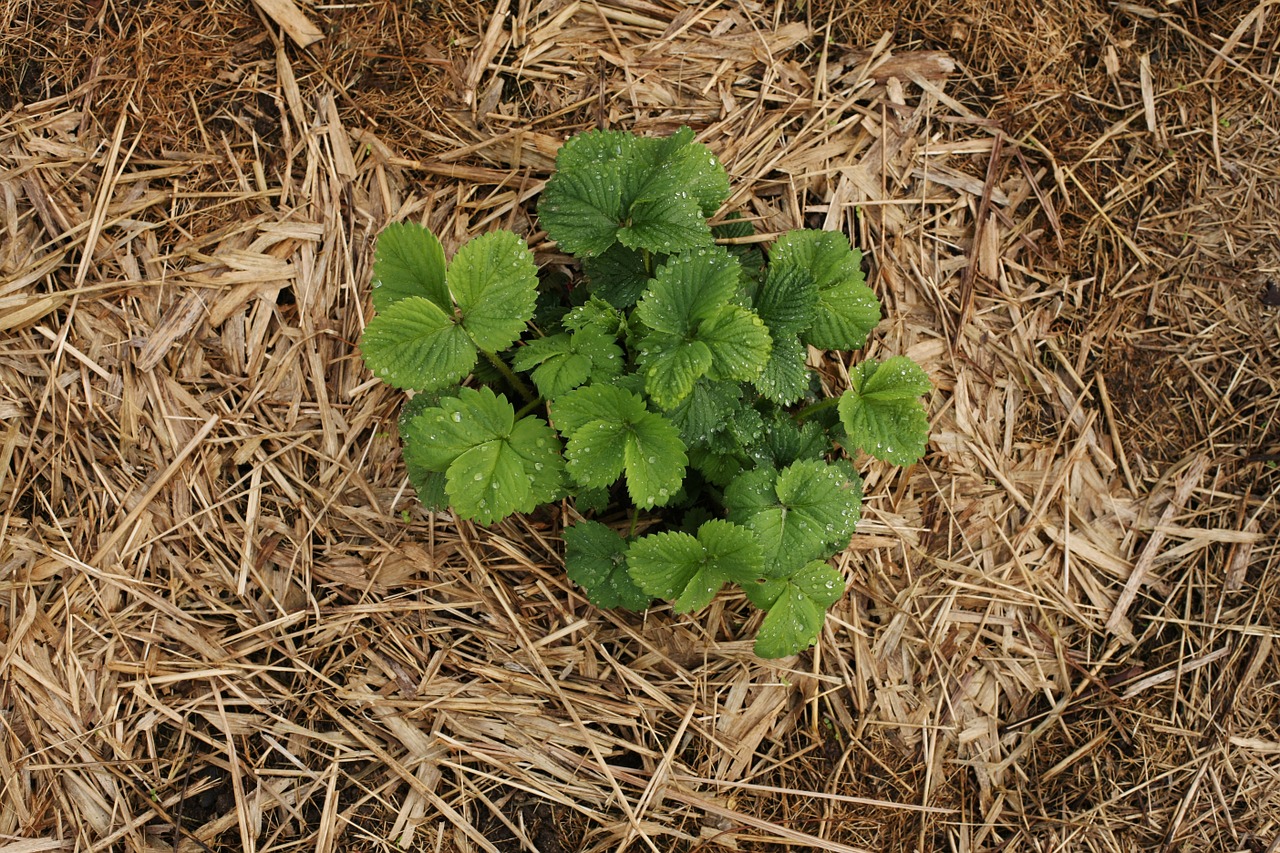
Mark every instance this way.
x=673 y=385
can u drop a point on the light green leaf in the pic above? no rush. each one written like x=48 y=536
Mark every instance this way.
x=691 y=570
x=494 y=465
x=655 y=460
x=882 y=412
x=488 y=482
x=610 y=431
x=414 y=344
x=556 y=367
x=595 y=559
x=797 y=610
x=408 y=261
x=596 y=453
x=739 y=344
x=571 y=412
x=672 y=366
x=804 y=512
x=495 y=283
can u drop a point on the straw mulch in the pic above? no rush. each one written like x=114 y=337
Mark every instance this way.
x=227 y=625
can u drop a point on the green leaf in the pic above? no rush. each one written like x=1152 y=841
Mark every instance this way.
x=672 y=366
x=427 y=481
x=802 y=513
x=609 y=432
x=595 y=558
x=787 y=300
x=619 y=275
x=408 y=261
x=691 y=570
x=562 y=362
x=415 y=344
x=847 y=310
x=739 y=344
x=708 y=408
x=581 y=207
x=797 y=610
x=489 y=482
x=688 y=289
x=648 y=194
x=882 y=412
x=785 y=377
x=495 y=283
x=784 y=441
x=494 y=465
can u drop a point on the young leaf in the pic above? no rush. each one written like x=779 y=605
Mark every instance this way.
x=692 y=570
x=415 y=344
x=695 y=330
x=495 y=283
x=595 y=557
x=708 y=409
x=409 y=261
x=882 y=412
x=785 y=377
x=847 y=310
x=799 y=514
x=797 y=609
x=562 y=362
x=610 y=431
x=494 y=465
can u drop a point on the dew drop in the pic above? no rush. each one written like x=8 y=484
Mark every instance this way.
x=457 y=417
x=478 y=477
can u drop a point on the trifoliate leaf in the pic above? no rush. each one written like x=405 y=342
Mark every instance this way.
x=609 y=432
x=797 y=609
x=691 y=570
x=785 y=377
x=409 y=261
x=494 y=465
x=582 y=205
x=618 y=276
x=415 y=344
x=562 y=362
x=595 y=559
x=847 y=309
x=882 y=412
x=495 y=283
x=799 y=514
x=739 y=344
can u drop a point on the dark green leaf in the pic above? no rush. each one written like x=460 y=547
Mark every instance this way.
x=595 y=558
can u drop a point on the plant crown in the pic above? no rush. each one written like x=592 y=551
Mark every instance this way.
x=676 y=382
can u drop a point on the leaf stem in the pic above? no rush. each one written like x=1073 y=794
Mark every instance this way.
x=529 y=395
